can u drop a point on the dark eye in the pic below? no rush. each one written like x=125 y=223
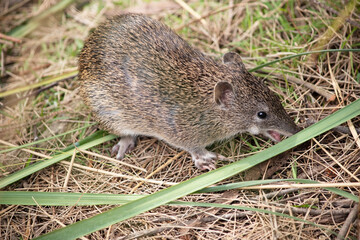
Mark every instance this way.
x=261 y=115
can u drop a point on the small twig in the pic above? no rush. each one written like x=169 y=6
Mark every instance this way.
x=334 y=82
x=348 y=222
x=92 y=169
x=152 y=231
x=191 y=11
x=338 y=163
x=4 y=211
x=2 y=63
x=25 y=150
x=315 y=212
x=328 y=95
x=228 y=216
x=119 y=175
x=278 y=193
x=8 y=127
x=354 y=132
x=158 y=169
x=212 y=13
x=50 y=130
x=69 y=169
x=112 y=160
x=9 y=38
x=226 y=197
x=14 y=7
x=108 y=232
x=147 y=232
x=52 y=217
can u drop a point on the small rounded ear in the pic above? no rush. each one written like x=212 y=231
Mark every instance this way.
x=233 y=58
x=224 y=94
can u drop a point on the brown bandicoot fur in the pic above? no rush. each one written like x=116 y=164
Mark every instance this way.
x=140 y=78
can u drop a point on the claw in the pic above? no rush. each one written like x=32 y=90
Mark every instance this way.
x=205 y=165
x=115 y=149
x=125 y=145
x=205 y=160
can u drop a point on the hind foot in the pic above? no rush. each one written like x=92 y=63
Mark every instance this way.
x=205 y=160
x=125 y=145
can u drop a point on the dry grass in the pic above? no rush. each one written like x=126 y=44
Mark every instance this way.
x=261 y=31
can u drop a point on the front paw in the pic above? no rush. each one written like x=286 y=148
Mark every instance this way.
x=205 y=160
x=125 y=145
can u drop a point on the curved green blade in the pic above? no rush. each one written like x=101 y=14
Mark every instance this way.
x=164 y=196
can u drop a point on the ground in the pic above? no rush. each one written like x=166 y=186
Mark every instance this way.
x=311 y=87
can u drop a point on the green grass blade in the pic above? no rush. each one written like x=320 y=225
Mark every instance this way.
x=39 y=84
x=301 y=54
x=34 y=22
x=45 y=139
x=79 y=199
x=96 y=135
x=266 y=181
x=43 y=164
x=164 y=196
x=63 y=198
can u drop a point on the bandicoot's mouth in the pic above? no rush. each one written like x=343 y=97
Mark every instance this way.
x=274 y=135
